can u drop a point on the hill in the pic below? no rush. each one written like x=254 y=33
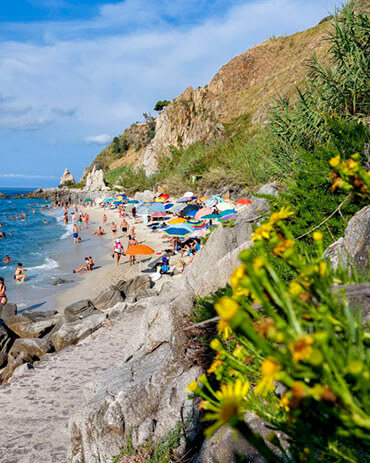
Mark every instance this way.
x=246 y=86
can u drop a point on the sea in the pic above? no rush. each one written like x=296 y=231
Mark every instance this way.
x=46 y=250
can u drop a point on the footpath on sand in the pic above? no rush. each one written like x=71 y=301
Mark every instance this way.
x=36 y=407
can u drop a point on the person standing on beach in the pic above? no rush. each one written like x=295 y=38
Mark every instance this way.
x=75 y=234
x=114 y=230
x=87 y=218
x=117 y=250
x=19 y=273
x=131 y=243
x=3 y=298
x=124 y=227
x=105 y=219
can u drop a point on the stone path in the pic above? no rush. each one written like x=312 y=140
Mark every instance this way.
x=36 y=407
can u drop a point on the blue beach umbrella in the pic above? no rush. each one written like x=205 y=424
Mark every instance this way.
x=133 y=201
x=227 y=212
x=211 y=216
x=177 y=232
x=168 y=206
x=229 y=217
x=157 y=207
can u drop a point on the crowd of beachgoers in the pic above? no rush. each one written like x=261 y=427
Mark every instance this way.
x=180 y=224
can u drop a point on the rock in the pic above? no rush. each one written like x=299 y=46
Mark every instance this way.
x=108 y=298
x=25 y=351
x=137 y=288
x=79 y=310
x=31 y=324
x=73 y=332
x=95 y=180
x=21 y=370
x=3 y=196
x=8 y=310
x=6 y=339
x=3 y=359
x=354 y=247
x=67 y=179
x=60 y=281
x=146 y=195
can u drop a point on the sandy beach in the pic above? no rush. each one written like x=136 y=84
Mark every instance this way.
x=107 y=272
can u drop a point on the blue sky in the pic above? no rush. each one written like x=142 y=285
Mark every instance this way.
x=75 y=73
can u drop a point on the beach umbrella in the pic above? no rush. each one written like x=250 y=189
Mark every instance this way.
x=157 y=207
x=142 y=210
x=159 y=214
x=243 y=201
x=198 y=233
x=211 y=216
x=227 y=212
x=107 y=200
x=183 y=200
x=168 y=206
x=202 y=212
x=177 y=220
x=211 y=202
x=196 y=223
x=177 y=232
x=99 y=200
x=117 y=202
x=139 y=250
x=163 y=197
x=191 y=207
x=188 y=194
x=88 y=200
x=229 y=217
x=225 y=206
x=133 y=201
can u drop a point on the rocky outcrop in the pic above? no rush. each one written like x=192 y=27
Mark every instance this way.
x=3 y=196
x=7 y=310
x=354 y=247
x=95 y=180
x=33 y=324
x=67 y=179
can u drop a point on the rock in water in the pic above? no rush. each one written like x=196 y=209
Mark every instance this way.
x=67 y=179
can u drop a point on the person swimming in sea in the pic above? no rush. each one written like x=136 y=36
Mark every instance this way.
x=6 y=259
x=3 y=298
x=20 y=273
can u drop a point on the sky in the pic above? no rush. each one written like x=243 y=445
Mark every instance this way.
x=76 y=73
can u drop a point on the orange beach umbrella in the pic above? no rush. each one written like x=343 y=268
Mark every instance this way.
x=139 y=250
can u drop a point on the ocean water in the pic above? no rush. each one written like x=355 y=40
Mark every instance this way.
x=36 y=245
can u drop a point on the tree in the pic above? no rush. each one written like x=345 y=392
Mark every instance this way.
x=161 y=104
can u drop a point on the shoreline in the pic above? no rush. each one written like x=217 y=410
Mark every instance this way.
x=107 y=273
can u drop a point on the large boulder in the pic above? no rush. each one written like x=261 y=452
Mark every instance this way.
x=7 y=310
x=79 y=310
x=73 y=332
x=67 y=179
x=108 y=298
x=6 y=339
x=137 y=288
x=31 y=324
x=354 y=247
x=25 y=351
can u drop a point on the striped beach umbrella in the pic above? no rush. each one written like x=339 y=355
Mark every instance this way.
x=177 y=232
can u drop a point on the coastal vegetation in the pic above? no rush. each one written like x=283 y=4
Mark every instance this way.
x=285 y=319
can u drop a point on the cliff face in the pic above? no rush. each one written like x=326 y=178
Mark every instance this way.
x=246 y=85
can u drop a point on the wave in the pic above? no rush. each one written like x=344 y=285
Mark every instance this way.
x=68 y=232
x=49 y=264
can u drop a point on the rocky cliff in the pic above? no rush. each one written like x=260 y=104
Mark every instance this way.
x=246 y=85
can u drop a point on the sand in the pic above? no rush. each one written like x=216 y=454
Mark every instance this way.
x=107 y=272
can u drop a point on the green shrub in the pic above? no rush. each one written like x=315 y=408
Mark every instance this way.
x=161 y=104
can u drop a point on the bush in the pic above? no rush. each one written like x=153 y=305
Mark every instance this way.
x=161 y=104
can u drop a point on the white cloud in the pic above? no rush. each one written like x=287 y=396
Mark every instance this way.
x=102 y=139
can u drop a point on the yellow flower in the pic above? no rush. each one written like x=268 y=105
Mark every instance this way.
x=284 y=402
x=240 y=292
x=224 y=330
x=231 y=399
x=284 y=213
x=317 y=236
x=269 y=369
x=259 y=262
x=263 y=232
x=322 y=268
x=301 y=349
x=236 y=276
x=215 y=345
x=334 y=162
x=295 y=288
x=192 y=387
x=217 y=362
x=282 y=247
x=226 y=308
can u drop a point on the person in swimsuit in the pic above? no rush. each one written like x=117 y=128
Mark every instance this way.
x=87 y=220
x=100 y=231
x=114 y=230
x=131 y=243
x=75 y=234
x=6 y=260
x=19 y=274
x=85 y=267
x=124 y=227
x=3 y=298
x=117 y=250
x=105 y=219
